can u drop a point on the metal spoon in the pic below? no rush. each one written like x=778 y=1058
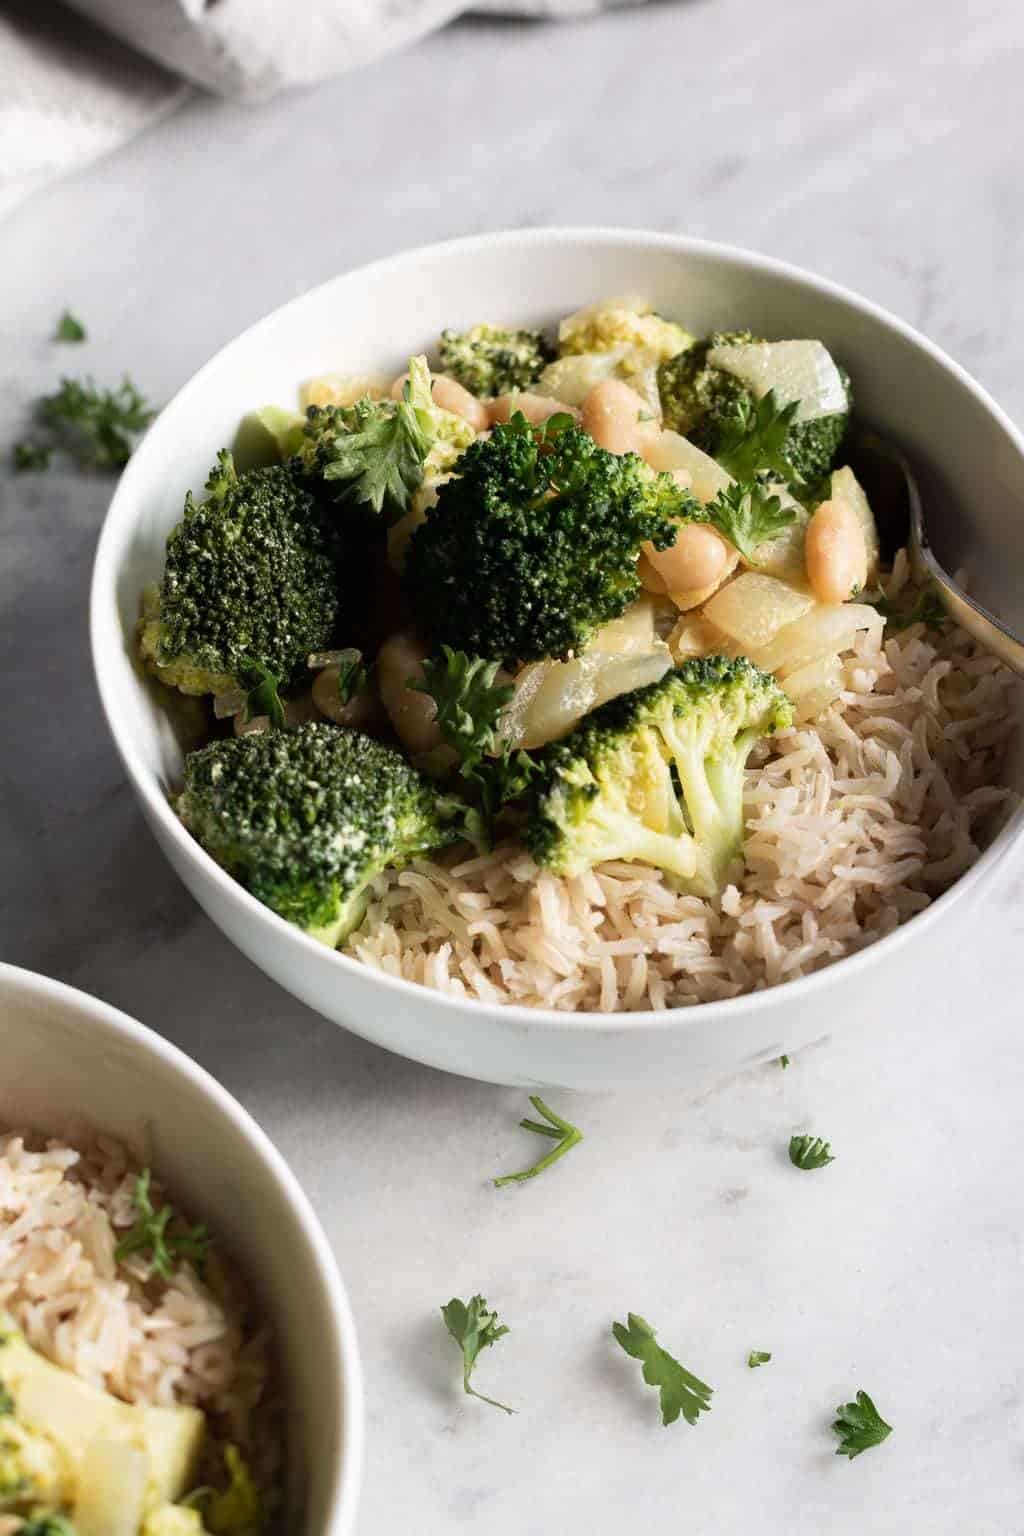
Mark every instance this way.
x=875 y=457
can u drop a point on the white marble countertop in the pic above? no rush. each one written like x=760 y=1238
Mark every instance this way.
x=854 y=140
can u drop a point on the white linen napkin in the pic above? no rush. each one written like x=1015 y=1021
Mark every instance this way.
x=78 y=79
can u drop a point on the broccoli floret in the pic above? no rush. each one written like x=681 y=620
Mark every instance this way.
x=488 y=360
x=305 y=819
x=716 y=410
x=614 y=324
x=31 y=1472
x=48 y=1525
x=533 y=542
x=656 y=775
x=249 y=576
x=238 y=1511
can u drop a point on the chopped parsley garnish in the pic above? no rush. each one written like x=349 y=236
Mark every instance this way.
x=783 y=1062
x=859 y=1426
x=758 y=1357
x=6 y=1401
x=262 y=696
x=69 y=328
x=353 y=676
x=150 y=1232
x=809 y=1152
x=746 y=515
x=680 y=1391
x=96 y=426
x=558 y=1130
x=469 y=702
x=753 y=438
x=928 y=609
x=473 y=1327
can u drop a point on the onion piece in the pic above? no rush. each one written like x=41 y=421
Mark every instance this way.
x=796 y=370
x=754 y=607
x=827 y=629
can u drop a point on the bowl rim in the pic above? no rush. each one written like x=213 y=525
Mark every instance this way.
x=343 y=1347
x=103 y=591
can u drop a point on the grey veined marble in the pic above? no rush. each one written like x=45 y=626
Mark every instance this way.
x=879 y=144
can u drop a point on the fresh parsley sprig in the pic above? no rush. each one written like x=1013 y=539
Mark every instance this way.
x=747 y=515
x=928 y=609
x=859 y=1426
x=474 y=1327
x=374 y=450
x=150 y=1232
x=469 y=702
x=97 y=426
x=680 y=1391
x=753 y=438
x=809 y=1152
x=556 y=1129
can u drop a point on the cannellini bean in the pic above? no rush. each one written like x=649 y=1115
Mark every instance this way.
x=617 y=418
x=536 y=408
x=450 y=396
x=361 y=712
x=698 y=558
x=412 y=714
x=837 y=562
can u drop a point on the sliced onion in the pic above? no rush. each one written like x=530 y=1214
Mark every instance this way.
x=111 y=1496
x=827 y=630
x=796 y=370
x=670 y=450
x=754 y=607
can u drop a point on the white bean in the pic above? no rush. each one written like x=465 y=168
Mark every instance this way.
x=536 y=408
x=617 y=418
x=698 y=558
x=361 y=711
x=836 y=556
x=413 y=714
x=451 y=396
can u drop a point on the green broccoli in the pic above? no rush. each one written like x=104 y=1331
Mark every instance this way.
x=719 y=413
x=656 y=775
x=47 y=1525
x=304 y=819
x=533 y=543
x=250 y=577
x=488 y=360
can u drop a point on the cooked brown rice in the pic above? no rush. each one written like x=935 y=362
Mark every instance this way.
x=854 y=823
x=188 y=1340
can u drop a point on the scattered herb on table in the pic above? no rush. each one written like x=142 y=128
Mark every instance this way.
x=150 y=1232
x=473 y=1327
x=29 y=457
x=97 y=426
x=758 y=1357
x=558 y=1130
x=859 y=1426
x=680 y=1391
x=69 y=328
x=809 y=1152
x=783 y=1062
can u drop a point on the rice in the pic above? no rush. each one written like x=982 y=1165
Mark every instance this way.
x=853 y=824
x=189 y=1340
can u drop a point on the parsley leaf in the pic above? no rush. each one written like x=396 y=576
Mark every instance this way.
x=473 y=1328
x=6 y=1401
x=150 y=1231
x=69 y=328
x=468 y=700
x=783 y=1062
x=567 y=1136
x=680 y=1391
x=859 y=1426
x=747 y=516
x=380 y=454
x=97 y=426
x=758 y=1357
x=928 y=610
x=261 y=692
x=753 y=438
x=809 y=1152
x=353 y=676
x=29 y=457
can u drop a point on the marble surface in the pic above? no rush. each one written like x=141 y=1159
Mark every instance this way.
x=886 y=154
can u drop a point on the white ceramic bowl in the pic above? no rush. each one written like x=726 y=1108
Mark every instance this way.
x=70 y=1061
x=373 y=319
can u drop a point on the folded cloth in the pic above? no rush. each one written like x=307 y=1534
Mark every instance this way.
x=73 y=86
